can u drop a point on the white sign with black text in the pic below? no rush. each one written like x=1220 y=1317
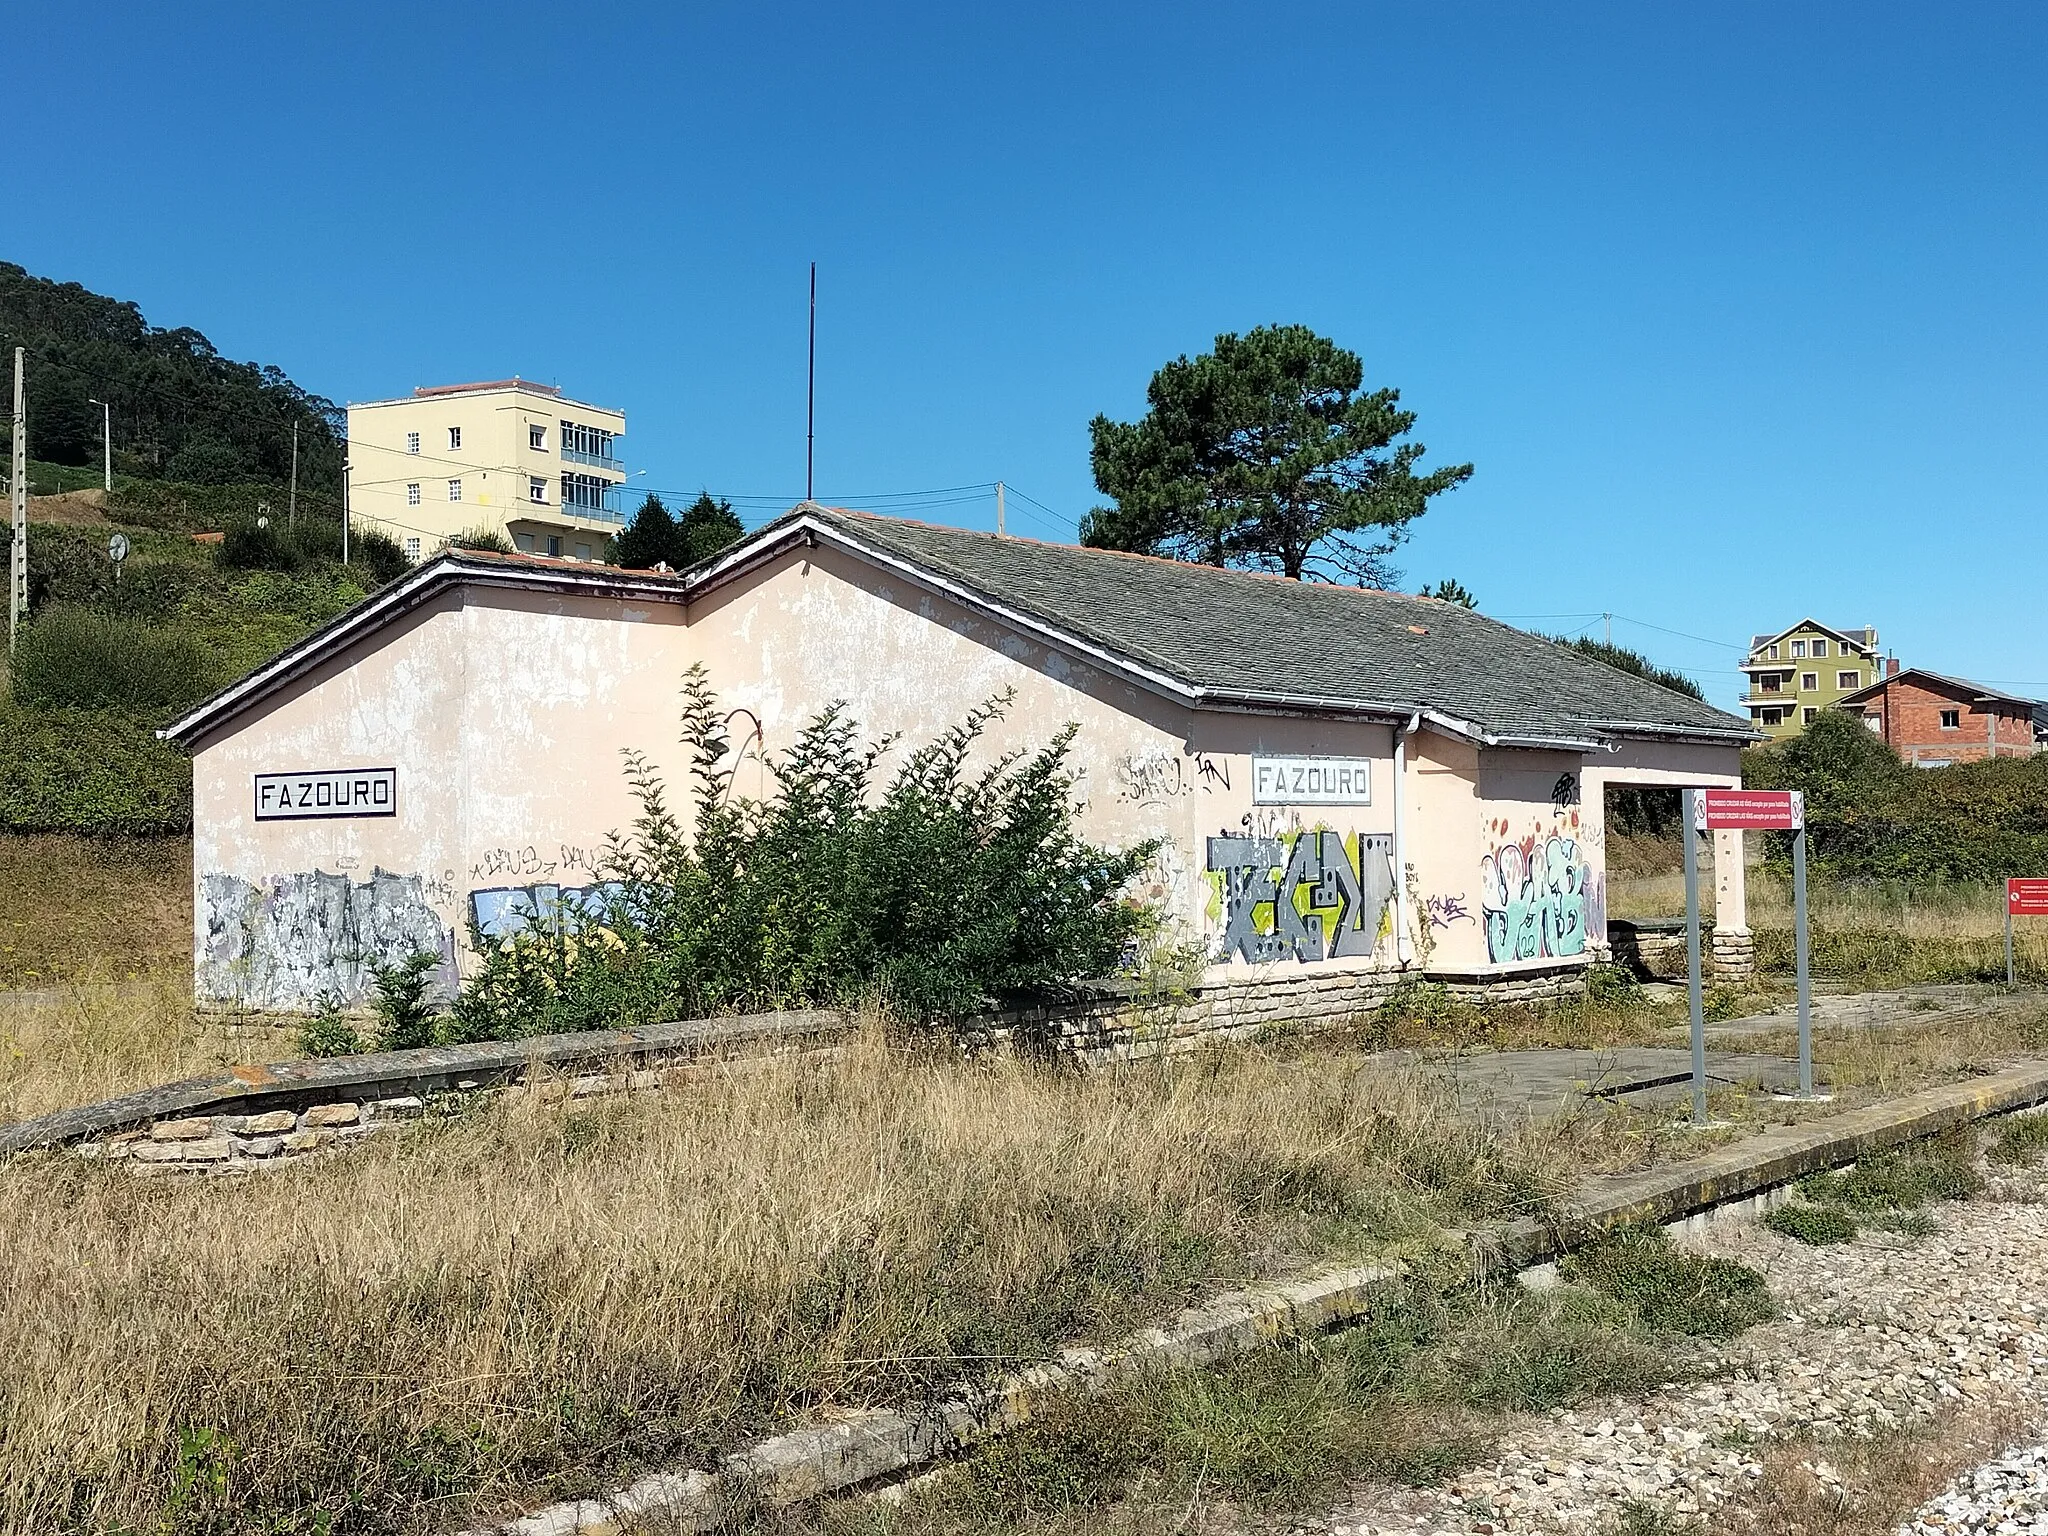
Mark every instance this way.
x=1312 y=781
x=327 y=792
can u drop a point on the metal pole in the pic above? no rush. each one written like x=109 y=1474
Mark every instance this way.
x=2011 y=980
x=107 y=440
x=999 y=509
x=17 y=495
x=1799 y=944
x=1692 y=957
x=291 y=507
x=811 y=391
x=344 y=504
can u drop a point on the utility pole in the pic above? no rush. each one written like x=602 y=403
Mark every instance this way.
x=107 y=438
x=344 y=502
x=999 y=509
x=17 y=495
x=811 y=390
x=1609 y=618
x=291 y=507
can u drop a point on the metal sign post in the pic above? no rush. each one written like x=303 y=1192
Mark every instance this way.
x=1747 y=810
x=2023 y=898
x=1695 y=815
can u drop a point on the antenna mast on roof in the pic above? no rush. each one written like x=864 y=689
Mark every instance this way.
x=811 y=390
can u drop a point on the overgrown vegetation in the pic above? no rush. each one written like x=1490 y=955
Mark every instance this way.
x=1887 y=1189
x=399 y=1339
x=1671 y=1289
x=1871 y=817
x=936 y=891
x=104 y=661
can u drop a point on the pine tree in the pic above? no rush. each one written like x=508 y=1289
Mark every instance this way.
x=651 y=539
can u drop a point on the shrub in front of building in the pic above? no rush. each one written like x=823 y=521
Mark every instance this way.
x=937 y=891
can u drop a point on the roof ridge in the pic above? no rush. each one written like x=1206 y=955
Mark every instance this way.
x=1135 y=554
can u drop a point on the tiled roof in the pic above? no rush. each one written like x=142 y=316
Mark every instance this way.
x=1240 y=634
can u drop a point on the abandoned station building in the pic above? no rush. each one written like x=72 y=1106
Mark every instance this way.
x=1347 y=785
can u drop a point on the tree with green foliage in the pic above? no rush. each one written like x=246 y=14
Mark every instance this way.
x=650 y=539
x=1622 y=659
x=657 y=537
x=1449 y=591
x=1265 y=453
x=180 y=410
x=707 y=526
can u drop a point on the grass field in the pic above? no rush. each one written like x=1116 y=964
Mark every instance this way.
x=538 y=1298
x=82 y=909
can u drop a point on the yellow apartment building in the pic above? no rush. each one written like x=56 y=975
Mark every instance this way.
x=519 y=458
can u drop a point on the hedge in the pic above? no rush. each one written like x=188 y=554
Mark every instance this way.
x=89 y=771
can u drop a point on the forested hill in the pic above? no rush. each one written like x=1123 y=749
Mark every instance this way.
x=181 y=411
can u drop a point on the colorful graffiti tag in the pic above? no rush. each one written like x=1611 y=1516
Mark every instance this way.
x=1539 y=898
x=1302 y=896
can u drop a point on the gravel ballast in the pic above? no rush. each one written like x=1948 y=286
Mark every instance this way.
x=1877 y=1334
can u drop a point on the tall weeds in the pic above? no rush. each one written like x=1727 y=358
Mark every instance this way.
x=539 y=1299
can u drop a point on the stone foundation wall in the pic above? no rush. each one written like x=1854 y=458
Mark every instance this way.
x=316 y=1107
x=1126 y=1025
x=1657 y=952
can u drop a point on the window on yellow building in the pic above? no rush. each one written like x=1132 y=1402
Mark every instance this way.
x=1848 y=679
x=1809 y=682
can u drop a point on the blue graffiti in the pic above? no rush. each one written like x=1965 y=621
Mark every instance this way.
x=503 y=911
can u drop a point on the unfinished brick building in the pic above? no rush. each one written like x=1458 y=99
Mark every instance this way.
x=1932 y=720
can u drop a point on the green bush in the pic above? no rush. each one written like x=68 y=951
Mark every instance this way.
x=1816 y=1225
x=1869 y=816
x=82 y=658
x=937 y=892
x=2020 y=1138
x=1902 y=1178
x=405 y=1010
x=490 y=540
x=1670 y=1289
x=93 y=772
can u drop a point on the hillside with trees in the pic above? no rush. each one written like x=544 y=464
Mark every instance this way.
x=181 y=412
x=201 y=445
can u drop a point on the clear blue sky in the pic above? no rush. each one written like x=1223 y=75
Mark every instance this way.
x=1738 y=309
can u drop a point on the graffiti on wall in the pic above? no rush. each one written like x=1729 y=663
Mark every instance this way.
x=502 y=911
x=1446 y=910
x=298 y=940
x=1152 y=778
x=1303 y=896
x=1540 y=898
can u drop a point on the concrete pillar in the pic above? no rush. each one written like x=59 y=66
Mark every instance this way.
x=1734 y=949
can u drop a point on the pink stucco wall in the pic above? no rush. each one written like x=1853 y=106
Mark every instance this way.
x=506 y=713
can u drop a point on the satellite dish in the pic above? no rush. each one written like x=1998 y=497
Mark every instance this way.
x=117 y=548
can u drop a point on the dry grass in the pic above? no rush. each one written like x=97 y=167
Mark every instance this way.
x=1870 y=1487
x=79 y=909
x=536 y=1300
x=69 y=1045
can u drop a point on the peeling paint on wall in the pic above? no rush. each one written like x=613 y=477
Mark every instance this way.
x=300 y=940
x=1540 y=898
x=1307 y=896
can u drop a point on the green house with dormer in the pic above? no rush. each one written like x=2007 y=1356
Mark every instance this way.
x=1798 y=672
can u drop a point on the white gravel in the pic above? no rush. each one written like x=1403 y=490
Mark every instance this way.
x=1875 y=1334
x=2009 y=1494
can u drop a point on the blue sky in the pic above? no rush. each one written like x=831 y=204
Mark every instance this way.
x=1738 y=309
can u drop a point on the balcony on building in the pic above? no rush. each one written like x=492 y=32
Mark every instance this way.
x=587 y=496
x=590 y=446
